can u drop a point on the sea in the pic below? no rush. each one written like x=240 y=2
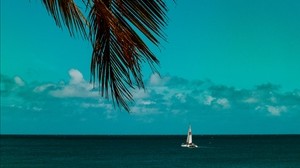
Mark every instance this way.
x=215 y=151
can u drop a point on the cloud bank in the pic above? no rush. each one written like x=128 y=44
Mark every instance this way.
x=165 y=94
x=165 y=98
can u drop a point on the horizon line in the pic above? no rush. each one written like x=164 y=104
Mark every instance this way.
x=268 y=134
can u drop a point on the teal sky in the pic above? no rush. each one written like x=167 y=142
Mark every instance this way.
x=228 y=67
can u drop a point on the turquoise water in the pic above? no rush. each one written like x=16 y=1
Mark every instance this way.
x=150 y=151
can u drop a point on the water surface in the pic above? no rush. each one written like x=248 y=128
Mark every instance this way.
x=276 y=151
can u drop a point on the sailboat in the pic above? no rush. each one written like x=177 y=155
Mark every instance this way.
x=189 y=143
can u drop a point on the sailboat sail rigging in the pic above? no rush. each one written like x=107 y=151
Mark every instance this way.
x=189 y=141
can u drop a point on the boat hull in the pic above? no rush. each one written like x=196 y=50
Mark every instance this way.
x=189 y=145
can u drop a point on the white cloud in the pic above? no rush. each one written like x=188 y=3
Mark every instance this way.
x=224 y=103
x=155 y=79
x=257 y=108
x=146 y=102
x=276 y=110
x=181 y=97
x=74 y=91
x=77 y=87
x=251 y=100
x=42 y=88
x=76 y=76
x=106 y=108
x=162 y=90
x=142 y=111
x=19 y=81
x=208 y=99
x=168 y=95
x=37 y=109
x=140 y=94
x=96 y=105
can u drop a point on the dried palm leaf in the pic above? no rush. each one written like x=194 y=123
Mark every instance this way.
x=118 y=49
x=66 y=12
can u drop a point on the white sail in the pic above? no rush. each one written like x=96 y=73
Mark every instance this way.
x=189 y=136
x=189 y=140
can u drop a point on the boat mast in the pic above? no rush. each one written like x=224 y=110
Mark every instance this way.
x=190 y=135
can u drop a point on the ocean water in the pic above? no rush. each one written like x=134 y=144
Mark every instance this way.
x=281 y=151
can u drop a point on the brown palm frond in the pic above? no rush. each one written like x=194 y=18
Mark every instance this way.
x=118 y=49
x=148 y=16
x=66 y=12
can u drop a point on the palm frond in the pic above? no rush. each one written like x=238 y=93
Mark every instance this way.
x=118 y=48
x=66 y=12
x=148 y=16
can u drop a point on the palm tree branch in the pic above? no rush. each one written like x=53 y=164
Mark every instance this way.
x=66 y=12
x=118 y=48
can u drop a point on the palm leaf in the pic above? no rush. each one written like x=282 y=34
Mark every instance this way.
x=118 y=49
x=66 y=12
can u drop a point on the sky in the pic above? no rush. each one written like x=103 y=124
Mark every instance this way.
x=227 y=67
